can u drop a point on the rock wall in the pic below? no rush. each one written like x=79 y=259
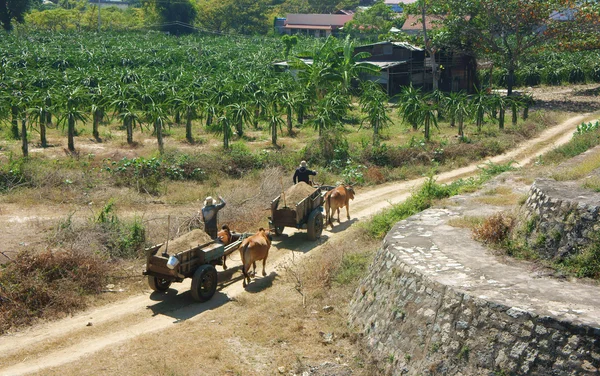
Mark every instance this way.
x=558 y=218
x=416 y=324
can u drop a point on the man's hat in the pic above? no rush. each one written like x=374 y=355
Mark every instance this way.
x=208 y=201
x=303 y=164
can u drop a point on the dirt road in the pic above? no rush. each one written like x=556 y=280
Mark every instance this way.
x=72 y=339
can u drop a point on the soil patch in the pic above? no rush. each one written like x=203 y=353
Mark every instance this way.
x=188 y=240
x=294 y=194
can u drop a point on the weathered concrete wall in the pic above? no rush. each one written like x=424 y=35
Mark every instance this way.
x=558 y=218
x=425 y=311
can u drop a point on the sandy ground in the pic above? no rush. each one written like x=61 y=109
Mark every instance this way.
x=56 y=343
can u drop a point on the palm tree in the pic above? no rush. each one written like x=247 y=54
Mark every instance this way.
x=274 y=122
x=457 y=105
x=410 y=99
x=188 y=103
x=481 y=105
x=515 y=104
x=427 y=115
x=500 y=103
x=329 y=112
x=225 y=128
x=99 y=102
x=373 y=103
x=72 y=113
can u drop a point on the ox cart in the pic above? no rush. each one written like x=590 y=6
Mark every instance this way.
x=305 y=214
x=197 y=263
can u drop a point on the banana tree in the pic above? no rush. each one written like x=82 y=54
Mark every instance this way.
x=373 y=103
x=349 y=65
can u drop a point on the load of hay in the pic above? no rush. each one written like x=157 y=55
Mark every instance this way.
x=295 y=194
x=188 y=240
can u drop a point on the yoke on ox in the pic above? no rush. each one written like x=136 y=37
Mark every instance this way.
x=336 y=199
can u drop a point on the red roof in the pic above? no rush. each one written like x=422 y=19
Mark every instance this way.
x=414 y=22
x=335 y=20
x=308 y=27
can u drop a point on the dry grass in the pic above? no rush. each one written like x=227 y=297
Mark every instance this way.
x=466 y=222
x=499 y=196
x=47 y=285
x=583 y=168
x=494 y=229
x=258 y=332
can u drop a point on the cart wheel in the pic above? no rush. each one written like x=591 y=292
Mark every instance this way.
x=315 y=225
x=278 y=230
x=204 y=283
x=158 y=284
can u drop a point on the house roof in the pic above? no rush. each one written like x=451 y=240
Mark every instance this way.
x=399 y=2
x=414 y=22
x=386 y=64
x=408 y=46
x=318 y=19
x=308 y=27
x=380 y=64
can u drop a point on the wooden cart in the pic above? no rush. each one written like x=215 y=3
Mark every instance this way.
x=307 y=214
x=197 y=263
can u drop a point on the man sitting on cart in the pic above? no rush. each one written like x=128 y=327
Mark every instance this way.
x=302 y=173
x=209 y=215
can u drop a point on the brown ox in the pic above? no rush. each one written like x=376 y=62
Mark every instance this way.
x=252 y=249
x=336 y=199
x=226 y=238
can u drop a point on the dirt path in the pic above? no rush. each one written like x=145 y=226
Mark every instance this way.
x=56 y=343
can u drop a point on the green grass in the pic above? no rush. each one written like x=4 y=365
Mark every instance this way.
x=426 y=195
x=583 y=264
x=582 y=169
x=353 y=267
x=578 y=145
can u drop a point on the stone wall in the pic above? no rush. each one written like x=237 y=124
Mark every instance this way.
x=559 y=218
x=417 y=320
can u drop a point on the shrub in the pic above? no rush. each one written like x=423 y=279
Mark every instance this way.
x=48 y=284
x=495 y=229
x=584 y=264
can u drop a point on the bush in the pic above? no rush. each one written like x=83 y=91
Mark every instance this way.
x=495 y=229
x=584 y=264
x=48 y=284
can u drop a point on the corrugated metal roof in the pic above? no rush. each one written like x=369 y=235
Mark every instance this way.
x=408 y=46
x=318 y=19
x=386 y=64
x=308 y=27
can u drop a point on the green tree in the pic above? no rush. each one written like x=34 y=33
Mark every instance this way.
x=289 y=41
x=376 y=20
x=506 y=31
x=176 y=15
x=13 y=10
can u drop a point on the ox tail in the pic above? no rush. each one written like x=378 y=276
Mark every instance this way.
x=327 y=209
x=243 y=257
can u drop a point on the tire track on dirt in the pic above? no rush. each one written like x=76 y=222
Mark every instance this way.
x=18 y=353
